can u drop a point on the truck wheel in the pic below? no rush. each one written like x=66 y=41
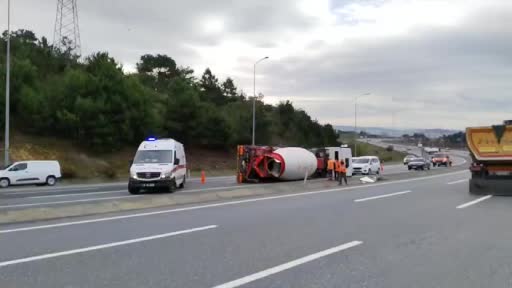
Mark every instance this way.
x=182 y=185
x=478 y=187
x=4 y=182
x=409 y=168
x=51 y=181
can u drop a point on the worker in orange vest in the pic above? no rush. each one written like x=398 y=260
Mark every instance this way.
x=338 y=169
x=343 y=173
x=330 y=169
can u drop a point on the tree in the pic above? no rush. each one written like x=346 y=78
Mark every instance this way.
x=161 y=66
x=210 y=89
x=96 y=105
x=229 y=88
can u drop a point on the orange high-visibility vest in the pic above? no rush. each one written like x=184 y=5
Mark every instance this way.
x=338 y=166
x=343 y=168
x=330 y=164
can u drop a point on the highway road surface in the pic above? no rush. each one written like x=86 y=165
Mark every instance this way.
x=417 y=232
x=31 y=196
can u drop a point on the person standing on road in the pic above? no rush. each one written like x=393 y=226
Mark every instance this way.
x=343 y=173
x=330 y=169
x=338 y=169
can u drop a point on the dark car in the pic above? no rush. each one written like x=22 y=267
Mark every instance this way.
x=418 y=164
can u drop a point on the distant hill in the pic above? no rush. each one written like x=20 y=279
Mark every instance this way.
x=389 y=132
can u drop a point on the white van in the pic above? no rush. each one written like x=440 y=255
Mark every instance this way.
x=30 y=172
x=345 y=153
x=158 y=164
x=366 y=165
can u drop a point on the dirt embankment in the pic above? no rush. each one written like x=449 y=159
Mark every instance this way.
x=81 y=165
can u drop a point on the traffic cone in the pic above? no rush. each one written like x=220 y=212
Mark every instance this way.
x=203 y=177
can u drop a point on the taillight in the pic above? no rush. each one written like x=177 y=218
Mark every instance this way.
x=476 y=167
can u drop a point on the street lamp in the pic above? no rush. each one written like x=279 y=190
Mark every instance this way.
x=7 y=84
x=355 y=120
x=254 y=103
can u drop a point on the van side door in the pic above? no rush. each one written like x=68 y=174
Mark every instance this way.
x=20 y=174
x=178 y=165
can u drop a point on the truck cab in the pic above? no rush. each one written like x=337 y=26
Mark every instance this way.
x=341 y=153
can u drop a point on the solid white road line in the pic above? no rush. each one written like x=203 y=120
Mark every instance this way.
x=109 y=245
x=474 y=202
x=458 y=181
x=220 y=204
x=60 y=188
x=47 y=191
x=288 y=265
x=118 y=191
x=74 y=194
x=83 y=187
x=67 y=201
x=382 y=196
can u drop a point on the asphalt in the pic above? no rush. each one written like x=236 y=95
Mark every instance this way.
x=31 y=196
x=412 y=236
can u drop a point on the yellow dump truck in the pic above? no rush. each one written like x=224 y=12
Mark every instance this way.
x=491 y=150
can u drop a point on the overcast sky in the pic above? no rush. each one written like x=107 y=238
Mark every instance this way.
x=435 y=64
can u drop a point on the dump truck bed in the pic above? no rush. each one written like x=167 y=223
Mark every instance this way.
x=491 y=149
x=492 y=143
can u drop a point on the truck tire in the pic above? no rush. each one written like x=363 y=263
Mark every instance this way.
x=477 y=187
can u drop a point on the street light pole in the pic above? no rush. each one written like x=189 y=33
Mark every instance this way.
x=355 y=121
x=7 y=84
x=254 y=103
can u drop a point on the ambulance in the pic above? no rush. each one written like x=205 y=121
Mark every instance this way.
x=159 y=164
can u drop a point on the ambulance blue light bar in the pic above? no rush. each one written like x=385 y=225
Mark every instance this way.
x=151 y=139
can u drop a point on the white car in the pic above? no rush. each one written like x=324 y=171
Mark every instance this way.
x=30 y=172
x=366 y=165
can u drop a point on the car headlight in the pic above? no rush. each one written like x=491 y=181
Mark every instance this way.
x=166 y=175
x=133 y=174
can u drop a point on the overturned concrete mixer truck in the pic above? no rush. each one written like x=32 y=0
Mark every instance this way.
x=266 y=163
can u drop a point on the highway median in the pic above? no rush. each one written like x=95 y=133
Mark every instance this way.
x=146 y=201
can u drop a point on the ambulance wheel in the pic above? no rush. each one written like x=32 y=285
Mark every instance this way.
x=172 y=187
x=182 y=185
